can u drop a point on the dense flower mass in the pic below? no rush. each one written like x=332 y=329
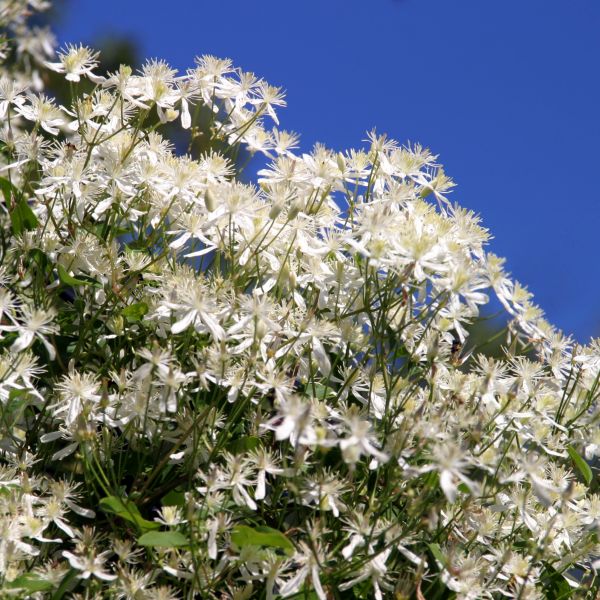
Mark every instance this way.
x=265 y=386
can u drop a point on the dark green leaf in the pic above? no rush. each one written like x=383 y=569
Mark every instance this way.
x=9 y=191
x=66 y=584
x=69 y=280
x=556 y=587
x=128 y=511
x=22 y=217
x=581 y=465
x=173 y=498
x=163 y=539
x=140 y=244
x=39 y=257
x=243 y=536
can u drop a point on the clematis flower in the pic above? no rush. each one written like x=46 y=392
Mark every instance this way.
x=76 y=61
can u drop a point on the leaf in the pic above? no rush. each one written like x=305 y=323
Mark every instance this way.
x=9 y=191
x=128 y=511
x=320 y=391
x=556 y=587
x=243 y=536
x=66 y=584
x=31 y=582
x=581 y=465
x=22 y=217
x=464 y=488
x=163 y=539
x=39 y=257
x=243 y=444
x=437 y=553
x=139 y=244
x=69 y=280
x=174 y=498
x=135 y=312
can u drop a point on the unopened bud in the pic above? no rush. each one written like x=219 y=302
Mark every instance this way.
x=295 y=208
x=287 y=277
x=261 y=329
x=125 y=71
x=210 y=201
x=275 y=211
x=171 y=114
x=116 y=325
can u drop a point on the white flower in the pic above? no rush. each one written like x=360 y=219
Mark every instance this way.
x=376 y=570
x=265 y=462
x=90 y=564
x=43 y=111
x=76 y=390
x=451 y=463
x=196 y=309
x=293 y=421
x=75 y=61
x=308 y=565
x=38 y=324
x=360 y=440
x=171 y=516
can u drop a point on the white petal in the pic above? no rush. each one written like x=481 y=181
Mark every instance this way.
x=447 y=484
x=321 y=356
x=186 y=119
x=184 y=323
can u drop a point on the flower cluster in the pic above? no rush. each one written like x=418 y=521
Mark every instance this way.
x=265 y=389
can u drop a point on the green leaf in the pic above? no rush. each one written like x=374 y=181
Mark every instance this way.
x=139 y=244
x=556 y=587
x=174 y=498
x=243 y=444
x=437 y=553
x=135 y=312
x=67 y=584
x=69 y=280
x=38 y=257
x=128 y=511
x=320 y=391
x=9 y=191
x=464 y=488
x=31 y=582
x=581 y=465
x=243 y=536
x=22 y=217
x=163 y=539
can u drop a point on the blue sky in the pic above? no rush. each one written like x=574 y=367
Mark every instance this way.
x=507 y=93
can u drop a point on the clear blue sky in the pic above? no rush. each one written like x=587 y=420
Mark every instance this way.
x=507 y=93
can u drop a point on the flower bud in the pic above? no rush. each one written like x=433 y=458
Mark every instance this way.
x=295 y=208
x=210 y=201
x=116 y=325
x=171 y=114
x=275 y=210
x=261 y=329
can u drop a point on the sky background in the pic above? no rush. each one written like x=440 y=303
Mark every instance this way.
x=506 y=93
